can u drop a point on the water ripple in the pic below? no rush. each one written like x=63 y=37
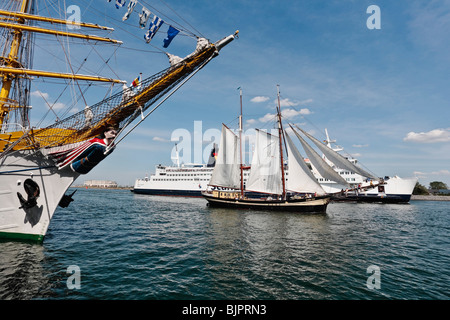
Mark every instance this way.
x=140 y=247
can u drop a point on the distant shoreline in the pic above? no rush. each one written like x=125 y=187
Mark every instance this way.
x=109 y=188
x=413 y=197
x=430 y=198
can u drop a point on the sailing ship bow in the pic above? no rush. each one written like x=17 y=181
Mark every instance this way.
x=119 y=110
x=34 y=162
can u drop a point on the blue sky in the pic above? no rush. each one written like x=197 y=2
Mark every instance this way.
x=383 y=94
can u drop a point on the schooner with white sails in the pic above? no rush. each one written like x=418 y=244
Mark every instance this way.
x=300 y=192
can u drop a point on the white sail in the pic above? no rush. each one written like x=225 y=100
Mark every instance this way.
x=300 y=178
x=265 y=173
x=336 y=158
x=227 y=169
x=321 y=165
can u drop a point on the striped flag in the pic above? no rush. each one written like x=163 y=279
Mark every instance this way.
x=120 y=3
x=153 y=28
x=143 y=17
x=136 y=81
x=131 y=6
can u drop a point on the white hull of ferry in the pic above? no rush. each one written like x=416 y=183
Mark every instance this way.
x=31 y=223
x=393 y=190
x=175 y=181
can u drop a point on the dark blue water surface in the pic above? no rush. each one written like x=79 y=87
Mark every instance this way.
x=128 y=246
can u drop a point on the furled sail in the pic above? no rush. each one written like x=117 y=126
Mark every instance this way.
x=336 y=158
x=265 y=173
x=226 y=172
x=300 y=178
x=324 y=169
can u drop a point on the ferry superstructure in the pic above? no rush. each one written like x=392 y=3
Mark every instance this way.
x=186 y=180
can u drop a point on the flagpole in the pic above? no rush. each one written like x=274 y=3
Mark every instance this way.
x=240 y=144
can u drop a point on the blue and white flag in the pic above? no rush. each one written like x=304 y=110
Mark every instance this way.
x=153 y=28
x=171 y=33
x=143 y=17
x=131 y=6
x=120 y=3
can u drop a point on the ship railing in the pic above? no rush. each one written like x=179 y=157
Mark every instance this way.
x=12 y=127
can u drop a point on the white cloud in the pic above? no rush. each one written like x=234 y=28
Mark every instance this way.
x=41 y=94
x=268 y=117
x=360 y=145
x=251 y=121
x=259 y=99
x=291 y=113
x=46 y=97
x=420 y=174
x=441 y=172
x=160 y=139
x=288 y=103
x=287 y=114
x=58 y=106
x=433 y=136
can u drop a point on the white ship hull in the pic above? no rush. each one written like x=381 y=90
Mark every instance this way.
x=175 y=181
x=30 y=223
x=393 y=190
x=304 y=205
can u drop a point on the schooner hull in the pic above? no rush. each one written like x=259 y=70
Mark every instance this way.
x=306 y=205
x=20 y=173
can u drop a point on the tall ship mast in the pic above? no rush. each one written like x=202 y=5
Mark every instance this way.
x=267 y=176
x=39 y=163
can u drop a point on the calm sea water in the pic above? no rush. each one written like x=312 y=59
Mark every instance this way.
x=128 y=246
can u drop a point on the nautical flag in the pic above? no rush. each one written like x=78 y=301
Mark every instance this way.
x=131 y=6
x=143 y=17
x=120 y=3
x=136 y=81
x=171 y=33
x=153 y=28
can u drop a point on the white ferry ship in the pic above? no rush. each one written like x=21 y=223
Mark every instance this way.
x=185 y=180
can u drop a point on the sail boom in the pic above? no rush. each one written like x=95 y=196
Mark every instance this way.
x=56 y=32
x=52 y=20
x=48 y=74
